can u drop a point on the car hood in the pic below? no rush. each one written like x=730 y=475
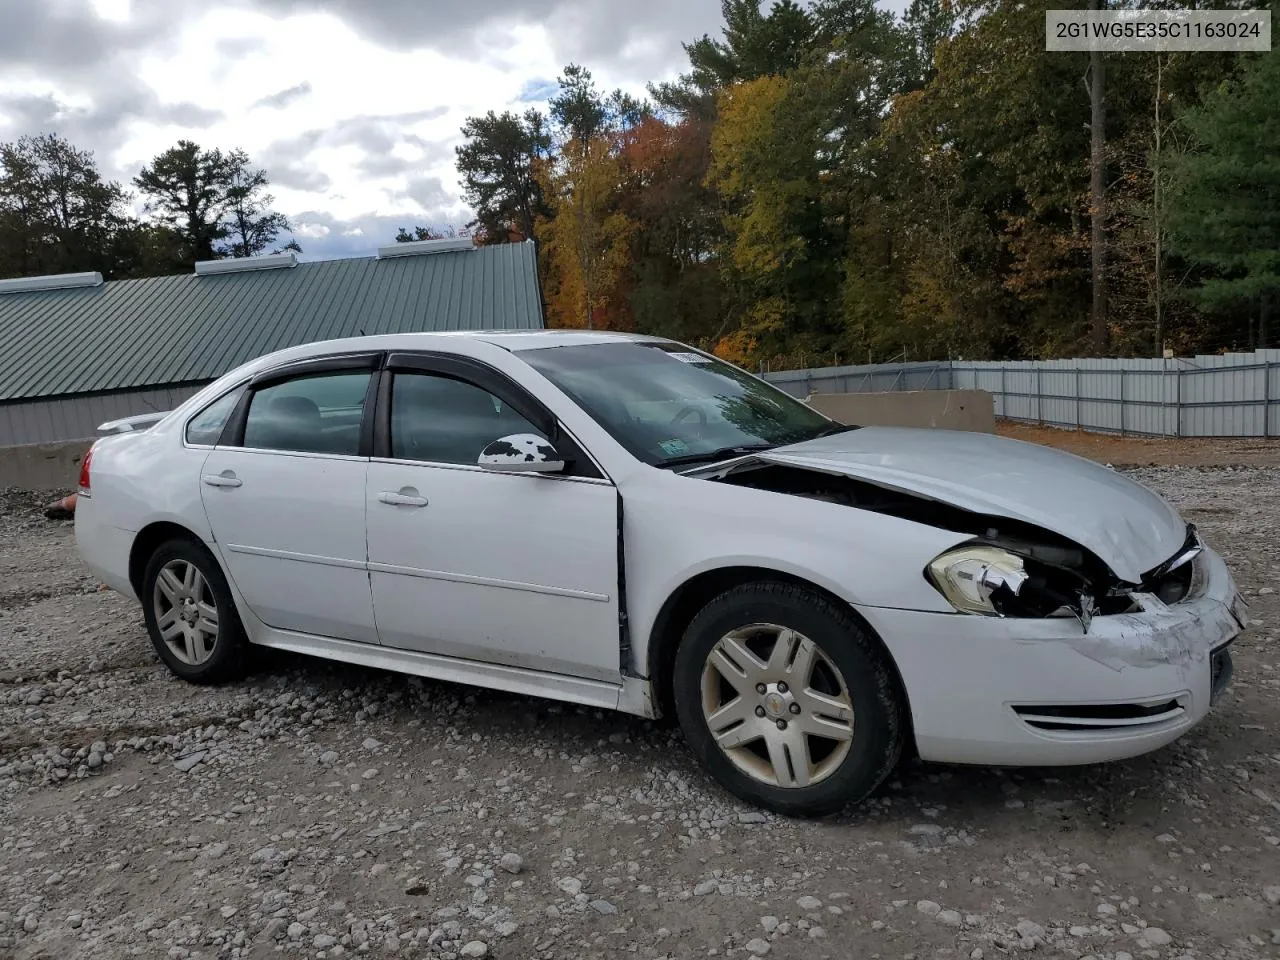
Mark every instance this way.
x=1127 y=526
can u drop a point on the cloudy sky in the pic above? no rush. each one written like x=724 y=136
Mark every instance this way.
x=352 y=106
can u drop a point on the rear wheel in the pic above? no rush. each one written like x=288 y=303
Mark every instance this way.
x=787 y=699
x=190 y=614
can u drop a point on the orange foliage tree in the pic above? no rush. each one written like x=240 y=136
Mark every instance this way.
x=585 y=240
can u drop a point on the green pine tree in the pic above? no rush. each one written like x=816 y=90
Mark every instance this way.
x=1225 y=201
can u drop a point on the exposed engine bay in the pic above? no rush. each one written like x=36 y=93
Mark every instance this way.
x=1059 y=577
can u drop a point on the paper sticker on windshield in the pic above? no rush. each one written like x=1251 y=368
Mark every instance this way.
x=674 y=447
x=689 y=357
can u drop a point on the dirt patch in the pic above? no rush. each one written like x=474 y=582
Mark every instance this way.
x=1149 y=451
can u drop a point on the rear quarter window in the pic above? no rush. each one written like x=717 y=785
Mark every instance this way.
x=205 y=427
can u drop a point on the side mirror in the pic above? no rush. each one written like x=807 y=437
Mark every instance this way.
x=521 y=453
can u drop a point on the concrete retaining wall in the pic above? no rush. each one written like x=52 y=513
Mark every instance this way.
x=972 y=410
x=43 y=466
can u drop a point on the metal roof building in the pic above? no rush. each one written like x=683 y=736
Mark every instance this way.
x=75 y=352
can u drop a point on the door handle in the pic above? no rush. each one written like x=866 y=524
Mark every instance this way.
x=404 y=497
x=224 y=479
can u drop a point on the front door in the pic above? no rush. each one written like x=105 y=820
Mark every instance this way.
x=512 y=569
x=285 y=497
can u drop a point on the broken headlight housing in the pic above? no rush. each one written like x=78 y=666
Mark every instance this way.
x=991 y=581
x=976 y=578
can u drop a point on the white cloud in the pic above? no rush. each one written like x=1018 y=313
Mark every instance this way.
x=117 y=10
x=352 y=106
x=310 y=231
x=341 y=123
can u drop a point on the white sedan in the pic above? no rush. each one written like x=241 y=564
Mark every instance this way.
x=626 y=522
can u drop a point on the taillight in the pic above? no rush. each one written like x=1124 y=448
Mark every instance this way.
x=84 y=473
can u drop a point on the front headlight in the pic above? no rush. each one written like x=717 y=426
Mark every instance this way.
x=979 y=579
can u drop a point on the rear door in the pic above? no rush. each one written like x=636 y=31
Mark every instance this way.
x=284 y=490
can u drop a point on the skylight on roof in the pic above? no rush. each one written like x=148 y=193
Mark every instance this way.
x=418 y=248
x=275 y=261
x=53 y=281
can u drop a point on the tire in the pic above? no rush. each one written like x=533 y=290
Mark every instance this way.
x=842 y=725
x=203 y=649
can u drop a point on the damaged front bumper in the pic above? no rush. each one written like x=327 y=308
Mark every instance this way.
x=1044 y=691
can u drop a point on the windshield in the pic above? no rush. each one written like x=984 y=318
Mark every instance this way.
x=668 y=405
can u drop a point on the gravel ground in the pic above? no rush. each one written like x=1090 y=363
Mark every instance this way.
x=318 y=810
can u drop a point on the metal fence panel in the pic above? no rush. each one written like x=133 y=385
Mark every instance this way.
x=871 y=378
x=1272 y=423
x=1217 y=395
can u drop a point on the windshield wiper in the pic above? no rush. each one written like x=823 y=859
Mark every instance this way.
x=835 y=428
x=724 y=453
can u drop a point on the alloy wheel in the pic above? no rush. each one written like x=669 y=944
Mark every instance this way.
x=777 y=706
x=186 y=611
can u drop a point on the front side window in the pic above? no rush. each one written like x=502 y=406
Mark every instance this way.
x=438 y=419
x=667 y=405
x=205 y=427
x=309 y=414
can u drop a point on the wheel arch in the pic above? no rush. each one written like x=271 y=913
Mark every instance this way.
x=148 y=540
x=684 y=603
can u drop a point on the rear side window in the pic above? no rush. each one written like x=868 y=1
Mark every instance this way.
x=315 y=414
x=205 y=427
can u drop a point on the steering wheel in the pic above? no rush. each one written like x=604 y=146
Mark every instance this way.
x=685 y=412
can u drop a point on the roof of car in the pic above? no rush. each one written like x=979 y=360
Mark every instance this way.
x=517 y=340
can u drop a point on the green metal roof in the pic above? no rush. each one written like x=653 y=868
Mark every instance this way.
x=188 y=329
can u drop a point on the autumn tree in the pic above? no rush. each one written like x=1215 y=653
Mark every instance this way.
x=753 y=44
x=795 y=164
x=828 y=180
x=249 y=225
x=586 y=233
x=578 y=108
x=676 y=286
x=419 y=233
x=185 y=187
x=216 y=201
x=144 y=249
x=416 y=235
x=585 y=237
x=1147 y=276
x=926 y=24
x=1005 y=128
x=498 y=165
x=57 y=213
x=935 y=288
x=764 y=163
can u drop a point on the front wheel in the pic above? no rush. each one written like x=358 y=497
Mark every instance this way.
x=787 y=700
x=190 y=614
